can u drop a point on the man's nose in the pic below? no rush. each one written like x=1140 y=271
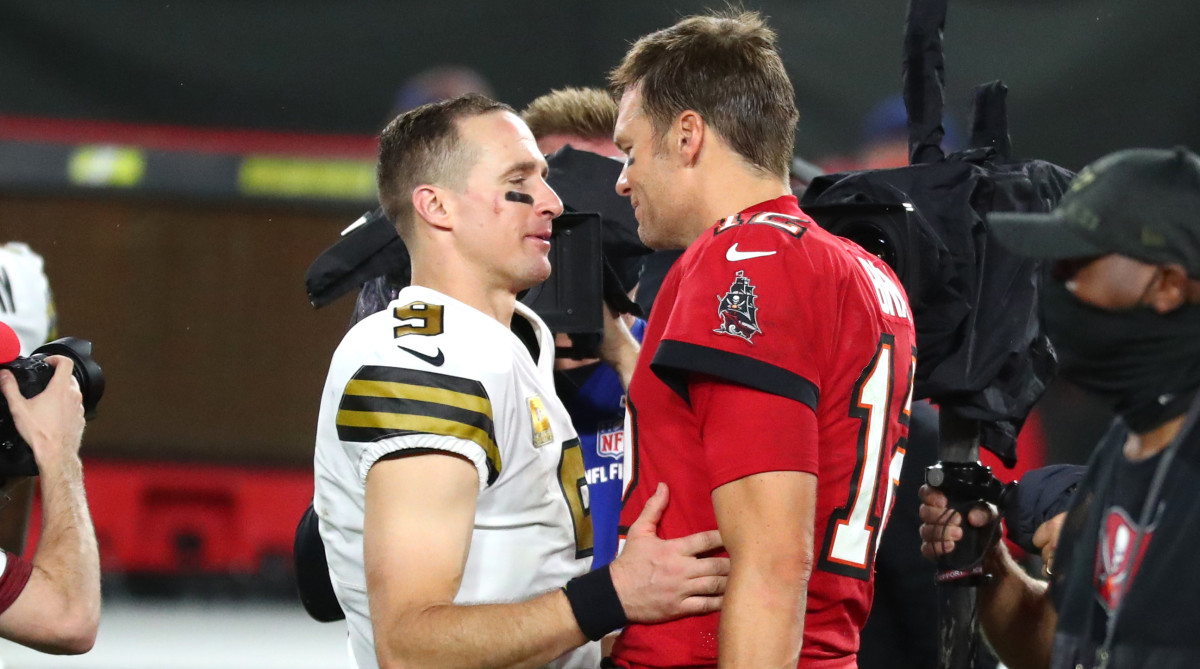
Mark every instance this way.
x=623 y=188
x=550 y=203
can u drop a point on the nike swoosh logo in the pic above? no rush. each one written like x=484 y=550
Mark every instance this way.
x=734 y=255
x=435 y=360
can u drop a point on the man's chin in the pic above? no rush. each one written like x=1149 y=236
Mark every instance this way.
x=658 y=242
x=534 y=279
x=646 y=234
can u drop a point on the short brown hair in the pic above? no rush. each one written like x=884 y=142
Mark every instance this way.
x=589 y=113
x=423 y=146
x=725 y=67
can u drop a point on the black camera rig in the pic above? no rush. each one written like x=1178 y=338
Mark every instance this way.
x=966 y=486
x=33 y=374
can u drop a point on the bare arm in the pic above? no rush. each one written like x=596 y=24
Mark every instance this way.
x=619 y=349
x=417 y=531
x=59 y=609
x=420 y=512
x=1016 y=614
x=767 y=522
x=14 y=513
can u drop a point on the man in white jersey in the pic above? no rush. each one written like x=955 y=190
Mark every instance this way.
x=25 y=301
x=449 y=482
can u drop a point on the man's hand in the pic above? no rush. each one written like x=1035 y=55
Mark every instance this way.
x=1046 y=540
x=941 y=528
x=659 y=579
x=52 y=421
x=1014 y=611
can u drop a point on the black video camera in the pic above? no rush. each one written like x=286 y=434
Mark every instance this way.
x=572 y=299
x=33 y=374
x=886 y=230
x=595 y=255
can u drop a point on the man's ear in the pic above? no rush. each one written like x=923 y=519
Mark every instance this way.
x=1170 y=289
x=690 y=133
x=433 y=205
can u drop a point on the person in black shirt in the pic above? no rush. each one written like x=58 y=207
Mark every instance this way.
x=1121 y=310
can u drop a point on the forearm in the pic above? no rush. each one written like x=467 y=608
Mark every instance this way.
x=417 y=532
x=762 y=622
x=624 y=361
x=67 y=557
x=14 y=514
x=766 y=520
x=1016 y=614
x=522 y=634
x=620 y=350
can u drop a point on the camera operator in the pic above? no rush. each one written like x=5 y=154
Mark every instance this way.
x=593 y=390
x=582 y=118
x=1122 y=312
x=52 y=603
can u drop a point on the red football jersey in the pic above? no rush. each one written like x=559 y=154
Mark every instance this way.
x=768 y=300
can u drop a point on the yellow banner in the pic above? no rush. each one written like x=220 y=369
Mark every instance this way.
x=106 y=165
x=292 y=177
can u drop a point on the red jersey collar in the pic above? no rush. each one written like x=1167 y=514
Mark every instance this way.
x=784 y=204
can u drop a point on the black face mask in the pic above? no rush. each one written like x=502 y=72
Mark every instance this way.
x=1145 y=364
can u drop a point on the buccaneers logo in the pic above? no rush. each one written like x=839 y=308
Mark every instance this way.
x=1123 y=544
x=738 y=313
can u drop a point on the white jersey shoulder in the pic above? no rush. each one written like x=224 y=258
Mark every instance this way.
x=25 y=301
x=432 y=373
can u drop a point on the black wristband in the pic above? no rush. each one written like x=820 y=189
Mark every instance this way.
x=595 y=603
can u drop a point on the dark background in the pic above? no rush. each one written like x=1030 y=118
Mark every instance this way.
x=198 y=316
x=197 y=307
x=1086 y=76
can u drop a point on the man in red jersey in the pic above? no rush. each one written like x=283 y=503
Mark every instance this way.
x=773 y=388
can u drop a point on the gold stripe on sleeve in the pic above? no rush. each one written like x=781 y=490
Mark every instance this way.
x=419 y=393
x=422 y=424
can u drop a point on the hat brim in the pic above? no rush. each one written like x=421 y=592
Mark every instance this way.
x=1040 y=236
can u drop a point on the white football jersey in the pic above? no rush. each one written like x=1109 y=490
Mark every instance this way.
x=430 y=372
x=25 y=302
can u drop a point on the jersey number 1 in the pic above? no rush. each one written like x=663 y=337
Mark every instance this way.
x=852 y=536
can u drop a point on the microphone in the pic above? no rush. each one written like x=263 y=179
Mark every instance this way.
x=10 y=345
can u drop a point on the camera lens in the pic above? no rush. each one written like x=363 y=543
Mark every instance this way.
x=873 y=238
x=86 y=372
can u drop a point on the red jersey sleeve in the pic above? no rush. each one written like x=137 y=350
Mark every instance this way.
x=13 y=577
x=747 y=431
x=754 y=308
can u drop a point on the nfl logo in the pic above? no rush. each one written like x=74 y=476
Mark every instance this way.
x=611 y=443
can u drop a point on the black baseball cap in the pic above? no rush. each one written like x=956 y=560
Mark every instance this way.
x=1141 y=203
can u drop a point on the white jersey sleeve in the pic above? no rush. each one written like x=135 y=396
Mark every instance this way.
x=387 y=410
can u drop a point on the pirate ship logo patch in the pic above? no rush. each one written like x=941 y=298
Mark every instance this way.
x=737 y=311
